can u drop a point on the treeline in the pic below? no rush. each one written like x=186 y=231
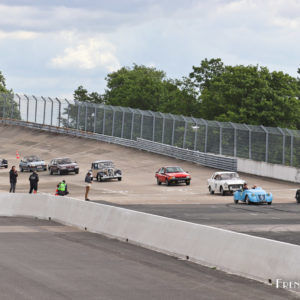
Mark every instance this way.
x=213 y=91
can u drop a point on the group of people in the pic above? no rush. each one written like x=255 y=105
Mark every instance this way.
x=61 y=188
x=33 y=181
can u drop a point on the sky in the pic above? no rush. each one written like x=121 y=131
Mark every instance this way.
x=50 y=47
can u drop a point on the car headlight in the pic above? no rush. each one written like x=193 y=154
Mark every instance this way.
x=188 y=176
x=173 y=177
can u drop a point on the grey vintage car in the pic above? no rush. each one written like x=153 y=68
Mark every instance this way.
x=104 y=170
x=32 y=163
x=3 y=163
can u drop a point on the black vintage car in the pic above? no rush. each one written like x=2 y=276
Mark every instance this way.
x=298 y=196
x=3 y=163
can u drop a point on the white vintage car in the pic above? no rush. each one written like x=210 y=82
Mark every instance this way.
x=223 y=182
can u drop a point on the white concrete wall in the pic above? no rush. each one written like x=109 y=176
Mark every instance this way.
x=268 y=170
x=241 y=254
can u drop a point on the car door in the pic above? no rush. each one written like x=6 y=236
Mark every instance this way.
x=162 y=175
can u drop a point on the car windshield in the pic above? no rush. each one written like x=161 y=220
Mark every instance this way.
x=32 y=158
x=64 y=161
x=174 y=170
x=105 y=164
x=229 y=176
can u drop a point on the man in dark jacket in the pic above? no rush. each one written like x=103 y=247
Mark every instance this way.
x=33 y=179
x=13 y=174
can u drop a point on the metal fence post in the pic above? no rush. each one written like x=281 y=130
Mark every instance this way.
x=19 y=105
x=85 y=118
x=95 y=117
x=51 y=121
x=142 y=124
x=206 y=133
x=13 y=103
x=185 y=130
x=173 y=130
x=27 y=111
x=68 y=117
x=195 y=128
x=123 y=123
x=35 y=111
x=163 y=128
x=220 y=137
x=3 y=109
x=267 y=142
x=44 y=112
x=234 y=139
x=59 y=111
x=250 y=139
x=113 y=122
x=132 y=126
x=153 y=126
x=78 y=115
x=104 y=116
x=283 y=145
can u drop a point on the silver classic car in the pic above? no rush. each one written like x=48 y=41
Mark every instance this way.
x=32 y=163
x=104 y=170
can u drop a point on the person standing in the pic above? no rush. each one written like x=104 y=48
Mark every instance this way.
x=88 y=183
x=33 y=179
x=13 y=174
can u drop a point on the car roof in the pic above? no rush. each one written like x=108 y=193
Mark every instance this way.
x=101 y=161
x=61 y=158
x=220 y=173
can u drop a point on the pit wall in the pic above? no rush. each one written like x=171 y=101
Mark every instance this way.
x=253 y=257
x=268 y=170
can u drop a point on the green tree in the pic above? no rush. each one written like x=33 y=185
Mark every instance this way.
x=8 y=107
x=248 y=94
x=81 y=94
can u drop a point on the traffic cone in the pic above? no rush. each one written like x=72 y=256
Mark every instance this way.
x=17 y=154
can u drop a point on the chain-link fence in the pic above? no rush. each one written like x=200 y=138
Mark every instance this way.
x=273 y=145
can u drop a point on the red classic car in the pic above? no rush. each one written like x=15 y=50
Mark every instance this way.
x=170 y=175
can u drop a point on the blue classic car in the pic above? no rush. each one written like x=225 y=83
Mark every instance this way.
x=256 y=195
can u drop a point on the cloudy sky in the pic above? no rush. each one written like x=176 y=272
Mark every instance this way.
x=50 y=47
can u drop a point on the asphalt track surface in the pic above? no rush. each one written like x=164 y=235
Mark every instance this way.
x=45 y=260
x=278 y=222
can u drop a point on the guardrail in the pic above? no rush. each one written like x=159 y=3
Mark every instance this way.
x=205 y=159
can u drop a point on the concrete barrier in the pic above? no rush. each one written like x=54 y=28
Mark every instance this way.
x=264 y=169
x=240 y=254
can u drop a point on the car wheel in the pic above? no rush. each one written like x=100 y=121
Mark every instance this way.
x=158 y=181
x=5 y=167
x=298 y=200
x=167 y=182
x=247 y=200
x=269 y=203
x=50 y=172
x=21 y=170
x=236 y=201
x=99 y=178
x=222 y=191
x=119 y=178
x=76 y=171
x=187 y=182
x=210 y=190
x=59 y=172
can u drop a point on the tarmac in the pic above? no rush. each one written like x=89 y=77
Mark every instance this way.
x=45 y=260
